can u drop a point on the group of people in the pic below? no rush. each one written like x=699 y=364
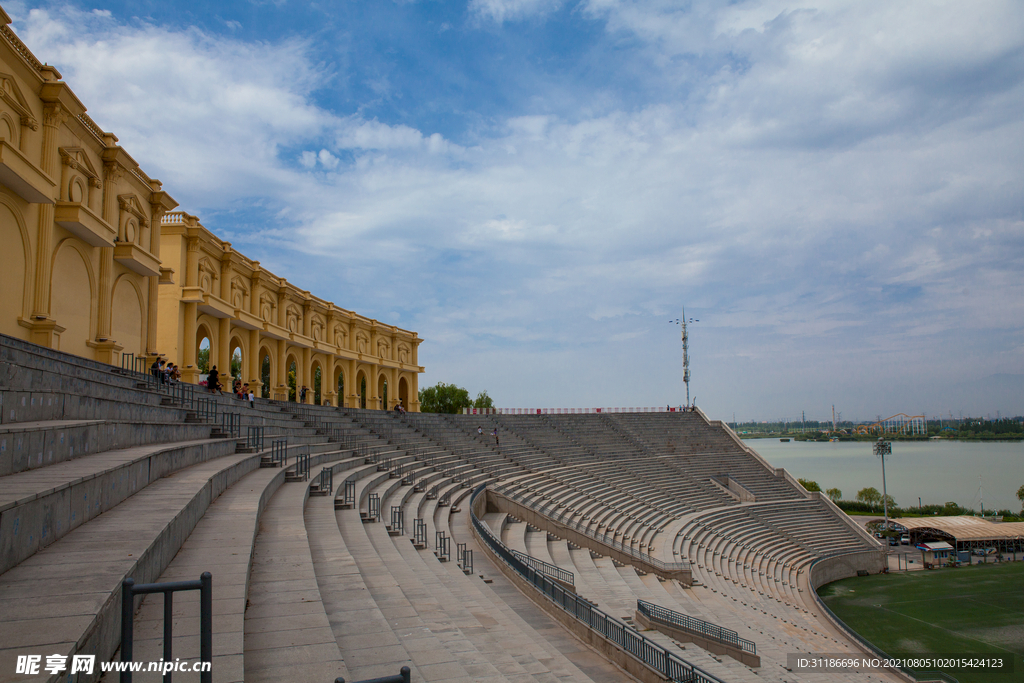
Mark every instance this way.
x=494 y=433
x=399 y=408
x=165 y=372
x=244 y=392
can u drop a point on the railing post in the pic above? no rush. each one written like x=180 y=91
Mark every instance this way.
x=127 y=625
x=206 y=625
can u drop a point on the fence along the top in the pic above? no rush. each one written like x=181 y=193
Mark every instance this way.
x=626 y=638
x=572 y=411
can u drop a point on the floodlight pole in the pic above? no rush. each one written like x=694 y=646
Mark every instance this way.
x=882 y=449
x=686 y=358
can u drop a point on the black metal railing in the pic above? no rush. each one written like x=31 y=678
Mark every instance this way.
x=697 y=626
x=302 y=466
x=255 y=437
x=350 y=492
x=419 y=530
x=129 y=589
x=373 y=506
x=546 y=568
x=181 y=392
x=205 y=408
x=622 y=636
x=397 y=518
x=279 y=452
x=442 y=546
x=403 y=676
x=325 y=482
x=231 y=424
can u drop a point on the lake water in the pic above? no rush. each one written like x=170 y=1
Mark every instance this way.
x=937 y=471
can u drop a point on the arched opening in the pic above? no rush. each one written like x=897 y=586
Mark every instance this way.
x=382 y=392
x=292 y=373
x=340 y=382
x=362 y=390
x=237 y=360
x=403 y=392
x=203 y=351
x=265 y=373
x=317 y=382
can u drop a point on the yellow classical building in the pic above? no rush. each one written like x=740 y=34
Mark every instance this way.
x=275 y=328
x=93 y=263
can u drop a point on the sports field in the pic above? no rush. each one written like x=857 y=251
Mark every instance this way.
x=967 y=610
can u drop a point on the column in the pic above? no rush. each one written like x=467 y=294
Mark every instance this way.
x=328 y=387
x=224 y=348
x=254 y=362
x=43 y=325
x=156 y=219
x=189 y=370
x=304 y=377
x=280 y=391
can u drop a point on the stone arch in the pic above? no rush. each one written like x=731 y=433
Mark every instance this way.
x=15 y=263
x=128 y=315
x=382 y=391
x=9 y=129
x=238 y=346
x=403 y=392
x=291 y=367
x=73 y=281
x=361 y=388
x=266 y=359
x=204 y=332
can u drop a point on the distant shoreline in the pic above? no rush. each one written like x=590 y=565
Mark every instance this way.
x=869 y=439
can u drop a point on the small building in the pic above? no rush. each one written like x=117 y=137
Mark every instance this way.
x=936 y=552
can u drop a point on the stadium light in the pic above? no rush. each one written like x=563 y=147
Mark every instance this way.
x=882 y=449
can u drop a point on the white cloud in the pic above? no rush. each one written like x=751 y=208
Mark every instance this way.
x=328 y=160
x=501 y=11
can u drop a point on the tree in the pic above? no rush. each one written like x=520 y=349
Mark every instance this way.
x=809 y=485
x=835 y=494
x=1020 y=493
x=444 y=398
x=870 y=495
x=483 y=401
x=203 y=360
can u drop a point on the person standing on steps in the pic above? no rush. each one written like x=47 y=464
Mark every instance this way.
x=495 y=435
x=302 y=394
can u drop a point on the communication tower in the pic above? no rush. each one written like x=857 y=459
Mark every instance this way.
x=686 y=358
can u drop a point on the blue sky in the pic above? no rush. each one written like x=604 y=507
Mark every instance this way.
x=536 y=186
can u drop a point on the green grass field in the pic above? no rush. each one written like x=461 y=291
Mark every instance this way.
x=976 y=610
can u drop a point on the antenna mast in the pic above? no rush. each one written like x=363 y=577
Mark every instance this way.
x=686 y=358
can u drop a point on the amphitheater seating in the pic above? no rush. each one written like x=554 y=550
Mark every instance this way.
x=104 y=475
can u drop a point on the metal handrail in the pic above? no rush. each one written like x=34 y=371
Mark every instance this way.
x=546 y=568
x=626 y=638
x=129 y=590
x=694 y=625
